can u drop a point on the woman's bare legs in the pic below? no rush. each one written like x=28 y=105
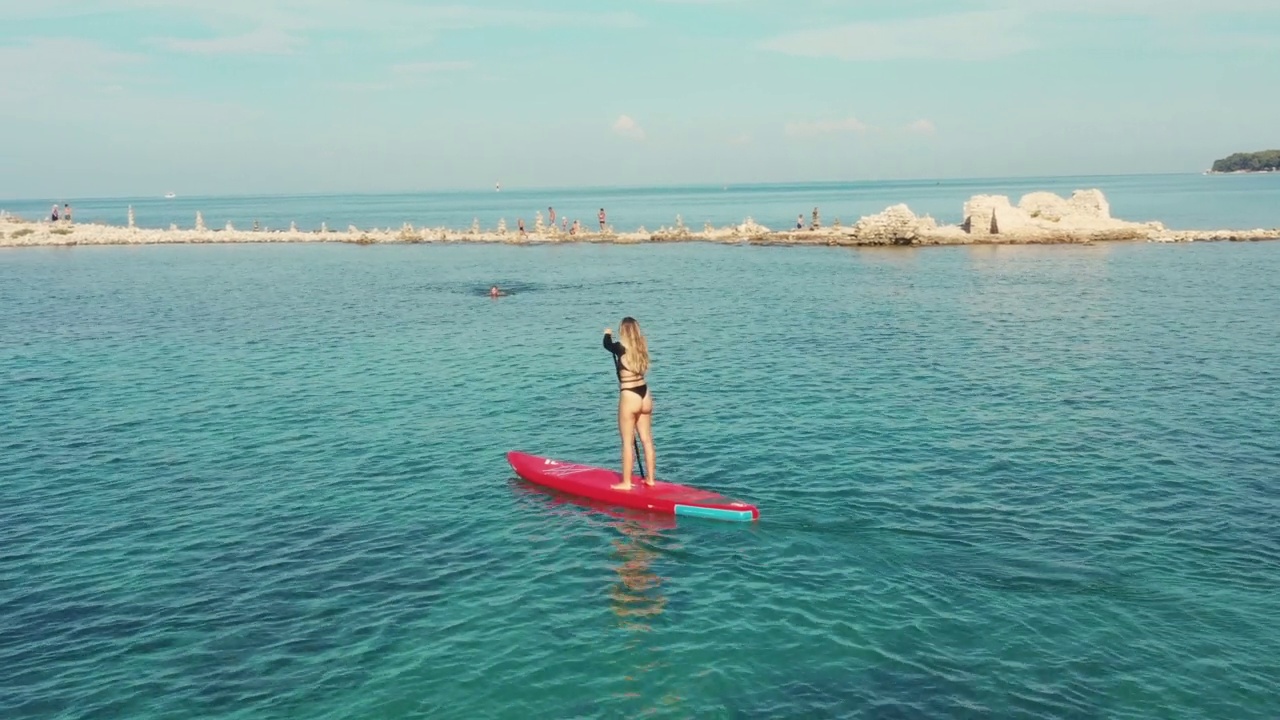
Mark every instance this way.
x=629 y=406
x=644 y=426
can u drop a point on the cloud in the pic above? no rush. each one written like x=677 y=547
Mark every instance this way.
x=112 y=90
x=958 y=36
x=57 y=68
x=465 y=16
x=625 y=127
x=286 y=27
x=264 y=41
x=421 y=69
x=383 y=16
x=403 y=75
x=922 y=127
x=810 y=128
x=1149 y=8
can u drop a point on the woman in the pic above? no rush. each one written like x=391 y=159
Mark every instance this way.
x=635 y=403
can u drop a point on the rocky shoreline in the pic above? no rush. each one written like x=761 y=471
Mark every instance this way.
x=1038 y=218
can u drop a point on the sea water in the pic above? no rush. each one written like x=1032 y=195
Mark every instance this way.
x=1183 y=202
x=995 y=482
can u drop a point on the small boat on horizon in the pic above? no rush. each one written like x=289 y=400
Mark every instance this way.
x=170 y=195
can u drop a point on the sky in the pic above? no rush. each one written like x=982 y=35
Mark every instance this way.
x=103 y=98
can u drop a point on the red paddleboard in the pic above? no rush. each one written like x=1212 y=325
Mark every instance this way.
x=596 y=483
x=650 y=521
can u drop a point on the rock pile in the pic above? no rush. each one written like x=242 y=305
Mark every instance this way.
x=1039 y=217
x=896 y=225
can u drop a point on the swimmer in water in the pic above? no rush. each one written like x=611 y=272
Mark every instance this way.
x=494 y=292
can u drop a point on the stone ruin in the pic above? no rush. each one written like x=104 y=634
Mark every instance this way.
x=1085 y=210
x=896 y=225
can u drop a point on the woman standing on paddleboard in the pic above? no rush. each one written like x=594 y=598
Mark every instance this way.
x=635 y=403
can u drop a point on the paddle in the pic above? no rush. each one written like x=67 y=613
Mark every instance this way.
x=639 y=463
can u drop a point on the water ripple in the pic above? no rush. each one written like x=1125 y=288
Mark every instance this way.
x=995 y=482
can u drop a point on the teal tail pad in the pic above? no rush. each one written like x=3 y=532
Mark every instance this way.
x=714 y=513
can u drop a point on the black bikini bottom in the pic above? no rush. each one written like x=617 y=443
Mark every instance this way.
x=640 y=390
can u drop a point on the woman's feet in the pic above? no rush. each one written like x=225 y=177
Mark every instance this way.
x=627 y=486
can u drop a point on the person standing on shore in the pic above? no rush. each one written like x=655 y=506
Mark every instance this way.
x=601 y=218
x=53 y=217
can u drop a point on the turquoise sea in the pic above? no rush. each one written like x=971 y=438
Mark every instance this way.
x=996 y=482
x=1181 y=202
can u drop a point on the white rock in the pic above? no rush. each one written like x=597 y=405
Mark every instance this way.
x=895 y=224
x=1045 y=206
x=1091 y=203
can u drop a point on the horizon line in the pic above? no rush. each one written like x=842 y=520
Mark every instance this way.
x=610 y=188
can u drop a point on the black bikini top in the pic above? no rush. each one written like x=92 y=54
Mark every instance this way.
x=618 y=351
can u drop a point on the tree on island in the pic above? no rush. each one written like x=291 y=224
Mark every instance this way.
x=1265 y=161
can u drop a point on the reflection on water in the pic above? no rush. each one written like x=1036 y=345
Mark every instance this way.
x=637 y=595
x=637 y=599
x=997 y=253
x=890 y=255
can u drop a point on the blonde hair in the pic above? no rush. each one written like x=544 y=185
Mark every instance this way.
x=636 y=355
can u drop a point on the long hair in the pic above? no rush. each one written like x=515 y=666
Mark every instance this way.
x=636 y=357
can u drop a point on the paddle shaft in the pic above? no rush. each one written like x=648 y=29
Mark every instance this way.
x=639 y=462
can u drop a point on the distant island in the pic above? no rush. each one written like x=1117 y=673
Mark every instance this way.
x=1264 y=161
